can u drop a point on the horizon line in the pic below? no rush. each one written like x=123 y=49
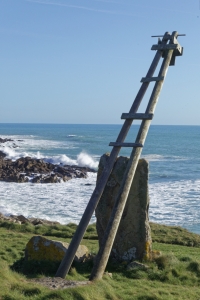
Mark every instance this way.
x=38 y=123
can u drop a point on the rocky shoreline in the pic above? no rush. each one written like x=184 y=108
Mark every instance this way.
x=20 y=219
x=27 y=169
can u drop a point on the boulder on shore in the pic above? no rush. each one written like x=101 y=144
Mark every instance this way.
x=40 y=248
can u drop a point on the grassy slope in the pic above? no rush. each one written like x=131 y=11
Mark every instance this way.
x=175 y=275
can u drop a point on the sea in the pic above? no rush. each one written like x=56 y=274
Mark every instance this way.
x=173 y=153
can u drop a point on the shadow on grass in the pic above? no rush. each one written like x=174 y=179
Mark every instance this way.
x=147 y=298
x=58 y=296
x=53 y=296
x=34 y=268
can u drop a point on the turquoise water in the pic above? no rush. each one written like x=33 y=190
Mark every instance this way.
x=174 y=169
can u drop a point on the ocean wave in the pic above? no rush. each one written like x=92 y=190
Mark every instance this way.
x=83 y=159
x=27 y=142
x=157 y=157
x=12 y=153
x=17 y=136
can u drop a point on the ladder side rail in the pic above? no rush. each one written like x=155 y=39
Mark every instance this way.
x=96 y=195
x=113 y=224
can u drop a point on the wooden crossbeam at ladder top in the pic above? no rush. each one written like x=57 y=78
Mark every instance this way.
x=173 y=44
x=98 y=191
x=149 y=79
x=167 y=47
x=120 y=201
x=118 y=144
x=137 y=116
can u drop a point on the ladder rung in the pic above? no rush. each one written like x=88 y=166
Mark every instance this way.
x=119 y=144
x=149 y=79
x=137 y=116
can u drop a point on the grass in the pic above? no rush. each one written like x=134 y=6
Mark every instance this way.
x=173 y=275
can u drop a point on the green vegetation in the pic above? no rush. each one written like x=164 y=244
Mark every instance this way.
x=173 y=275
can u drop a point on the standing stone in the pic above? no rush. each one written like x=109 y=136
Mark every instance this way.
x=133 y=239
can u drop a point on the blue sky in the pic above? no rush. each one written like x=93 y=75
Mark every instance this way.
x=81 y=61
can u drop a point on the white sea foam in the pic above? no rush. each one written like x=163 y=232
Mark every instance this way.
x=157 y=157
x=171 y=203
x=33 y=142
x=12 y=153
x=83 y=159
x=176 y=203
x=60 y=159
x=63 y=202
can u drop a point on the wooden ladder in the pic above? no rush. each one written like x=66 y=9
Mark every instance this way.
x=168 y=48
